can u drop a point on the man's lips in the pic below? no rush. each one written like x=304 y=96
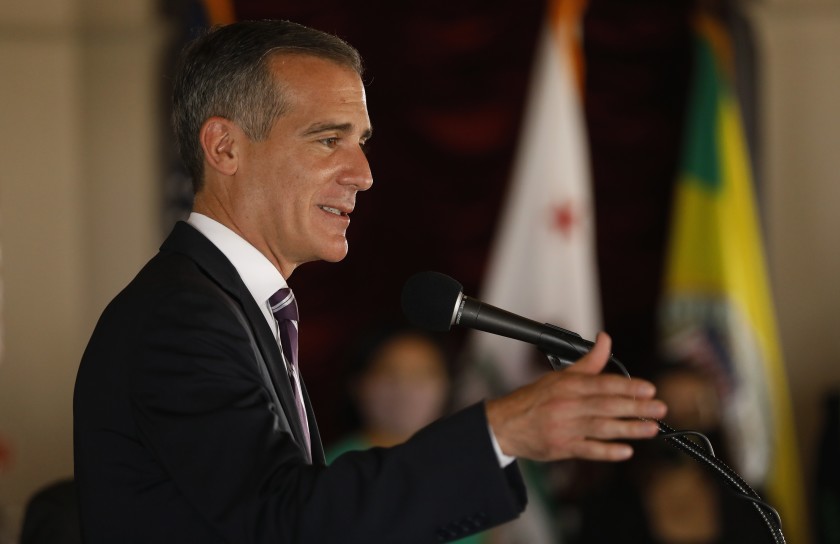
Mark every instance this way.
x=337 y=211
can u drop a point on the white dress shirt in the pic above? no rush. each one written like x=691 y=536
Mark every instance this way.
x=258 y=274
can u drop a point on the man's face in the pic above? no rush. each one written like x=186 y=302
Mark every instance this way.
x=295 y=190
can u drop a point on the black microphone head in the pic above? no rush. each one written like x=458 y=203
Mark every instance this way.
x=429 y=299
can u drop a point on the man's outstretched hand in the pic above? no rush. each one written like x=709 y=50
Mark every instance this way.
x=578 y=412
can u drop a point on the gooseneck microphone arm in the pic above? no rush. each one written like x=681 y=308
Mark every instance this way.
x=435 y=301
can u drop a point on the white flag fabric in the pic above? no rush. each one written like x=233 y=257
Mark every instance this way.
x=543 y=264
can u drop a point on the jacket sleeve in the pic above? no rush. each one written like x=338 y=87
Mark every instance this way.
x=205 y=417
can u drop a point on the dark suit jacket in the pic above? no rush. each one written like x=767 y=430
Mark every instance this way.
x=181 y=433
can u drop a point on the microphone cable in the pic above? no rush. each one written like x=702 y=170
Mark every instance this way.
x=705 y=455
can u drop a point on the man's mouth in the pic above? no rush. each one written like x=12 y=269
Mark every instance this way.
x=334 y=211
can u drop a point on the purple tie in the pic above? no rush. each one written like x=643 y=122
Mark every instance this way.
x=285 y=311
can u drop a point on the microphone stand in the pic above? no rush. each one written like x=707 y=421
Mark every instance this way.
x=769 y=516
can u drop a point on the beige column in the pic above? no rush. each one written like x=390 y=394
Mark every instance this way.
x=79 y=209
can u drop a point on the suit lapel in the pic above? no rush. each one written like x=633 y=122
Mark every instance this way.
x=315 y=437
x=188 y=241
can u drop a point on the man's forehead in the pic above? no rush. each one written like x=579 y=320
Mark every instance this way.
x=314 y=77
x=287 y=61
x=329 y=95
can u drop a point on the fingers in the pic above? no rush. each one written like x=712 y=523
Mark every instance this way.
x=579 y=412
x=595 y=447
x=594 y=361
x=582 y=385
x=622 y=407
x=609 y=429
x=592 y=450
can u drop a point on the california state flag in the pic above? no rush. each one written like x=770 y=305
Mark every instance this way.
x=543 y=262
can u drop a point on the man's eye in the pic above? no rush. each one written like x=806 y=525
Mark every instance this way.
x=330 y=142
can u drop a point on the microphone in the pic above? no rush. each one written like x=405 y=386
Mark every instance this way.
x=435 y=301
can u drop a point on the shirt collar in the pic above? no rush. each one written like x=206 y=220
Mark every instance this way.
x=256 y=271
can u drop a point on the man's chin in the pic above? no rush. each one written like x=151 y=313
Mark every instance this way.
x=335 y=254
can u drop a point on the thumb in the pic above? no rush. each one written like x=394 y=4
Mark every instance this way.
x=594 y=361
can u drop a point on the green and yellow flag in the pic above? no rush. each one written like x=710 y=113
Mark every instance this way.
x=717 y=309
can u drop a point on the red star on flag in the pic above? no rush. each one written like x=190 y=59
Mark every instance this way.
x=564 y=218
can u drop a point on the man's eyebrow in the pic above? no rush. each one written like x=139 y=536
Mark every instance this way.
x=337 y=127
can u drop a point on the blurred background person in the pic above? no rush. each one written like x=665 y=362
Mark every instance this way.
x=52 y=515
x=664 y=496
x=399 y=380
x=398 y=383
x=827 y=493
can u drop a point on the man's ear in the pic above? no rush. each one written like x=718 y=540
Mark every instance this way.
x=218 y=137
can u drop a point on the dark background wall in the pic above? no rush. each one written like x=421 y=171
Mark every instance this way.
x=446 y=85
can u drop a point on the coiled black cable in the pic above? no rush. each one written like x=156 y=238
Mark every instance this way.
x=772 y=521
x=769 y=515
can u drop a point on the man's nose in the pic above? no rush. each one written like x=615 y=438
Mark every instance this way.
x=358 y=173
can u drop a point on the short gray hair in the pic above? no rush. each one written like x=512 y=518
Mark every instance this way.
x=225 y=73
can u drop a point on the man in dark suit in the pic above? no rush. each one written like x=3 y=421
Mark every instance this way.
x=191 y=421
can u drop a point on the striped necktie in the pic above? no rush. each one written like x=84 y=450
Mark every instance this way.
x=284 y=308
